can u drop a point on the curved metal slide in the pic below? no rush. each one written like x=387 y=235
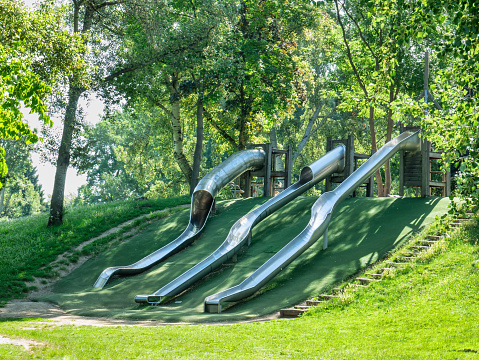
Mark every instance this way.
x=239 y=234
x=317 y=226
x=202 y=202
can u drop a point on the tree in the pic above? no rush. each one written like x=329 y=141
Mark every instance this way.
x=381 y=66
x=31 y=62
x=21 y=194
x=454 y=129
x=91 y=20
x=262 y=76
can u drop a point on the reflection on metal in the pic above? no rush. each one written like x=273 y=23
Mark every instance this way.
x=202 y=202
x=240 y=233
x=318 y=224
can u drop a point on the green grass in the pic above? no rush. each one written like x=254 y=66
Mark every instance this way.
x=361 y=232
x=427 y=311
x=27 y=246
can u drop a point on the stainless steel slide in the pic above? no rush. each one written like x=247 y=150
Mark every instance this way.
x=318 y=224
x=202 y=202
x=332 y=162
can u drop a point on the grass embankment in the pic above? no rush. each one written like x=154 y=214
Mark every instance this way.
x=361 y=232
x=27 y=246
x=426 y=311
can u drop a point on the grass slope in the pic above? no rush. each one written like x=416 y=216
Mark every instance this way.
x=27 y=246
x=429 y=311
x=361 y=232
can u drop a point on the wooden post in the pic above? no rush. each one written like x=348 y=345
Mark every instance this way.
x=426 y=169
x=247 y=190
x=401 y=173
x=349 y=163
x=267 y=172
x=288 y=167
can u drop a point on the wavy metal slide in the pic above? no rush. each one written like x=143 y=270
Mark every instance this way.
x=318 y=224
x=202 y=202
x=239 y=234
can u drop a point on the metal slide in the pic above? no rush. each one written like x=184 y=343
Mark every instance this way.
x=240 y=233
x=202 y=202
x=318 y=224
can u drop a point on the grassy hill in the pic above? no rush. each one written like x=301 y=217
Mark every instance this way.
x=429 y=310
x=361 y=232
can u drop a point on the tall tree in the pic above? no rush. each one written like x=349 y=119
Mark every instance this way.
x=32 y=61
x=377 y=63
x=91 y=19
x=455 y=128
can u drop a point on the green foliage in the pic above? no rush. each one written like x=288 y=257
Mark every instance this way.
x=35 y=51
x=21 y=193
x=453 y=129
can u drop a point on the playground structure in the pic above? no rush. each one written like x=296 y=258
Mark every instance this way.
x=321 y=213
x=334 y=162
x=351 y=164
x=240 y=233
x=202 y=203
x=416 y=169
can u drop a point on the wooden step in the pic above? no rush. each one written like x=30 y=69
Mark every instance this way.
x=366 y=280
x=420 y=247
x=291 y=312
x=392 y=263
x=375 y=275
x=326 y=296
x=314 y=302
x=302 y=307
x=455 y=224
x=433 y=237
x=430 y=242
x=406 y=258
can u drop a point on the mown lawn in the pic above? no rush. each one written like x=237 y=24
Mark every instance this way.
x=426 y=311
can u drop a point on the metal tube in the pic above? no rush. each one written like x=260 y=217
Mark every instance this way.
x=202 y=202
x=318 y=224
x=332 y=162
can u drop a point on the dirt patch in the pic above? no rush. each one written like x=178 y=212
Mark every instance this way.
x=27 y=344
x=34 y=310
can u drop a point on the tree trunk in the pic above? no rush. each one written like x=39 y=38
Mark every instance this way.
x=199 y=142
x=181 y=160
x=310 y=131
x=63 y=161
x=74 y=93
x=387 y=168
x=4 y=203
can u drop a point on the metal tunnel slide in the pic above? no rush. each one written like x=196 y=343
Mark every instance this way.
x=202 y=202
x=239 y=234
x=317 y=226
